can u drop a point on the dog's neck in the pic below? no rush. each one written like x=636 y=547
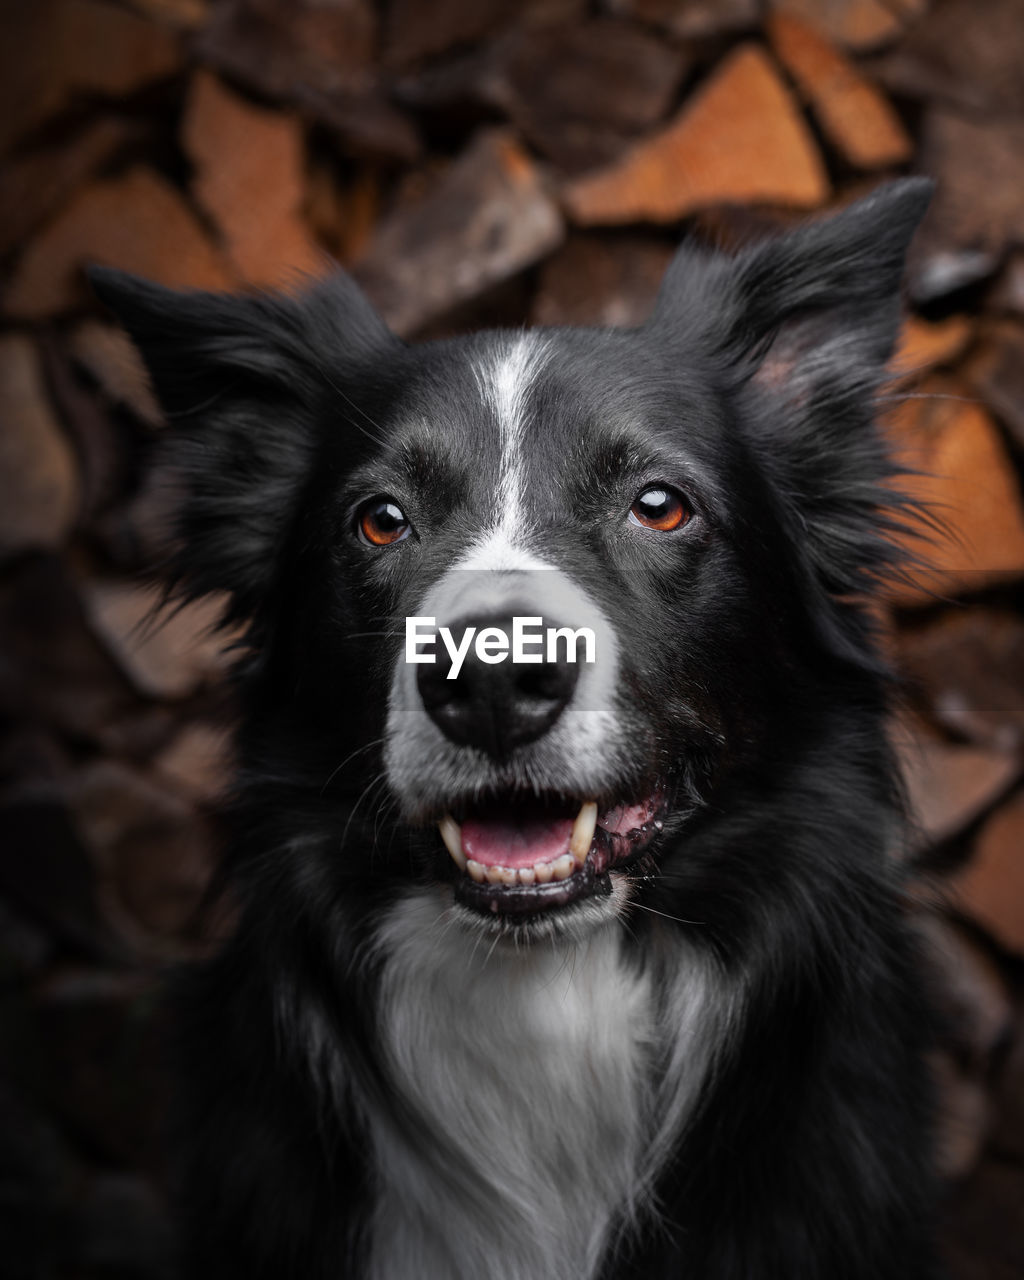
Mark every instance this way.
x=537 y=1082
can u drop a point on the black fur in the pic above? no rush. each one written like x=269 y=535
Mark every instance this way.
x=757 y=697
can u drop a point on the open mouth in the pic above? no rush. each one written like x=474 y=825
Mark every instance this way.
x=520 y=855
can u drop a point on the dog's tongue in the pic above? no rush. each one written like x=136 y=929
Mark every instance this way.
x=506 y=838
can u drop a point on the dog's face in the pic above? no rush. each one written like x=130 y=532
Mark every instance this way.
x=698 y=498
x=544 y=477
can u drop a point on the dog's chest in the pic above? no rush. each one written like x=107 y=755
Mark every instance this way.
x=527 y=1078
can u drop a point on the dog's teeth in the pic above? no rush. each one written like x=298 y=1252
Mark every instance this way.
x=583 y=832
x=541 y=872
x=451 y=834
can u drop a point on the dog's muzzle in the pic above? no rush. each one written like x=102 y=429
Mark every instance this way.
x=520 y=764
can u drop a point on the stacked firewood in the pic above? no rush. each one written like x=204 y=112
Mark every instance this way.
x=473 y=162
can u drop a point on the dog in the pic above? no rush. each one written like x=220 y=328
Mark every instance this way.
x=591 y=964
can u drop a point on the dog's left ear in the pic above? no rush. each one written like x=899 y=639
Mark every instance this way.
x=822 y=299
x=800 y=329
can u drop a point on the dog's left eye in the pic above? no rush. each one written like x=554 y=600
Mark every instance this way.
x=381 y=522
x=660 y=508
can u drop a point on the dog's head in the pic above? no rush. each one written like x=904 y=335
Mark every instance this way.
x=689 y=510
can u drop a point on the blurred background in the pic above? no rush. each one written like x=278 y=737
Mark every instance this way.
x=473 y=162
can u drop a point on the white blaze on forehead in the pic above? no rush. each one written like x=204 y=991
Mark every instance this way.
x=498 y=550
x=505 y=382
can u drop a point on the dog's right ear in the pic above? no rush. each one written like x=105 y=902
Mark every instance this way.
x=241 y=379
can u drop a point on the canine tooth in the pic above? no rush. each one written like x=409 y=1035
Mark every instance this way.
x=476 y=870
x=495 y=874
x=563 y=867
x=543 y=872
x=451 y=834
x=527 y=875
x=583 y=832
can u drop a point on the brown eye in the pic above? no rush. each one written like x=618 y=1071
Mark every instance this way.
x=382 y=522
x=661 y=509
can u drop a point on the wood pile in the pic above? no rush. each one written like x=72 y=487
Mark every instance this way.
x=472 y=162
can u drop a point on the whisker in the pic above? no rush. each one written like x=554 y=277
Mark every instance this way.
x=381 y=778
x=368 y=746
x=385 y=808
x=665 y=914
x=370 y=435
x=487 y=957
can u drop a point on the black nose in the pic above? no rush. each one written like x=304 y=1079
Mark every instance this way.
x=495 y=706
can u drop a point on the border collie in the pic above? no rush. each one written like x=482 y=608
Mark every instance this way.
x=555 y=969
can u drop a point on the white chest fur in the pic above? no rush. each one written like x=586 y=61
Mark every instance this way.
x=544 y=1082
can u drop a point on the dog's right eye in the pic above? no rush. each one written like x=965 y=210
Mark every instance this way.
x=381 y=522
x=661 y=508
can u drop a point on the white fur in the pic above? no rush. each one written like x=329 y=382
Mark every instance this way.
x=548 y=1082
x=505 y=384
x=498 y=551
